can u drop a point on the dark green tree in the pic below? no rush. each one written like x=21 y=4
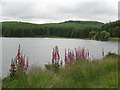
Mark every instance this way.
x=92 y=34
x=104 y=36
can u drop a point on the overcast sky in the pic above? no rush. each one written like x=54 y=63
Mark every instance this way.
x=50 y=11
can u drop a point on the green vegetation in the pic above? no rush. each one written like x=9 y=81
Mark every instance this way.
x=115 y=39
x=67 y=29
x=99 y=35
x=55 y=67
x=82 y=74
x=0 y=83
x=113 y=28
x=111 y=54
x=103 y=36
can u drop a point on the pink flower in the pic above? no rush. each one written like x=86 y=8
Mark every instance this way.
x=66 y=59
x=19 y=62
x=13 y=68
x=53 y=56
x=26 y=65
x=19 y=55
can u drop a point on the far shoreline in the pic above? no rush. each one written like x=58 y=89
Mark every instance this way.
x=112 y=39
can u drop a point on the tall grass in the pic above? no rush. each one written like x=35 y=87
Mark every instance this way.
x=115 y=39
x=0 y=83
x=82 y=74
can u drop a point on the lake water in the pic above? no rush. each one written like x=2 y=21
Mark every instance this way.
x=39 y=50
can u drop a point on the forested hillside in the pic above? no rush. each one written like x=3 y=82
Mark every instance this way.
x=113 y=28
x=69 y=29
x=72 y=29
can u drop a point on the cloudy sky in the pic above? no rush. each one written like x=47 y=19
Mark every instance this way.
x=50 y=11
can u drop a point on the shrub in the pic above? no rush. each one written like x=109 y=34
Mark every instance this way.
x=111 y=53
x=103 y=36
x=92 y=34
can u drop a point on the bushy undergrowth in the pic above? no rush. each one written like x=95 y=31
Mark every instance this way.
x=82 y=74
x=0 y=83
x=111 y=54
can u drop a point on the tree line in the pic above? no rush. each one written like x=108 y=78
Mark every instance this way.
x=68 y=29
x=113 y=28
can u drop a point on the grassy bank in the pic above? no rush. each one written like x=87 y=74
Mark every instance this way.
x=111 y=39
x=0 y=83
x=83 y=74
x=115 y=39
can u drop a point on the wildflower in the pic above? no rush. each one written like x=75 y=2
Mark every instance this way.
x=26 y=65
x=83 y=53
x=55 y=55
x=13 y=68
x=18 y=55
x=66 y=59
x=79 y=55
x=18 y=65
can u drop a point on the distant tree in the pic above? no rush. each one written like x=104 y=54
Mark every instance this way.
x=92 y=34
x=97 y=35
x=104 y=36
x=113 y=28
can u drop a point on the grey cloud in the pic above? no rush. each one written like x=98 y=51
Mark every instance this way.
x=119 y=10
x=16 y=9
x=52 y=11
x=24 y=10
x=89 y=9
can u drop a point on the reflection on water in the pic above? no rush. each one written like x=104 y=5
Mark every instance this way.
x=39 y=50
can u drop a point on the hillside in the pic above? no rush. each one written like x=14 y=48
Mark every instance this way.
x=113 y=28
x=72 y=29
x=68 y=29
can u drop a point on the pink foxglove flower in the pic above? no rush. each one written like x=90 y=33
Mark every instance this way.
x=18 y=64
x=13 y=68
x=26 y=65
x=53 y=56
x=80 y=54
x=66 y=59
